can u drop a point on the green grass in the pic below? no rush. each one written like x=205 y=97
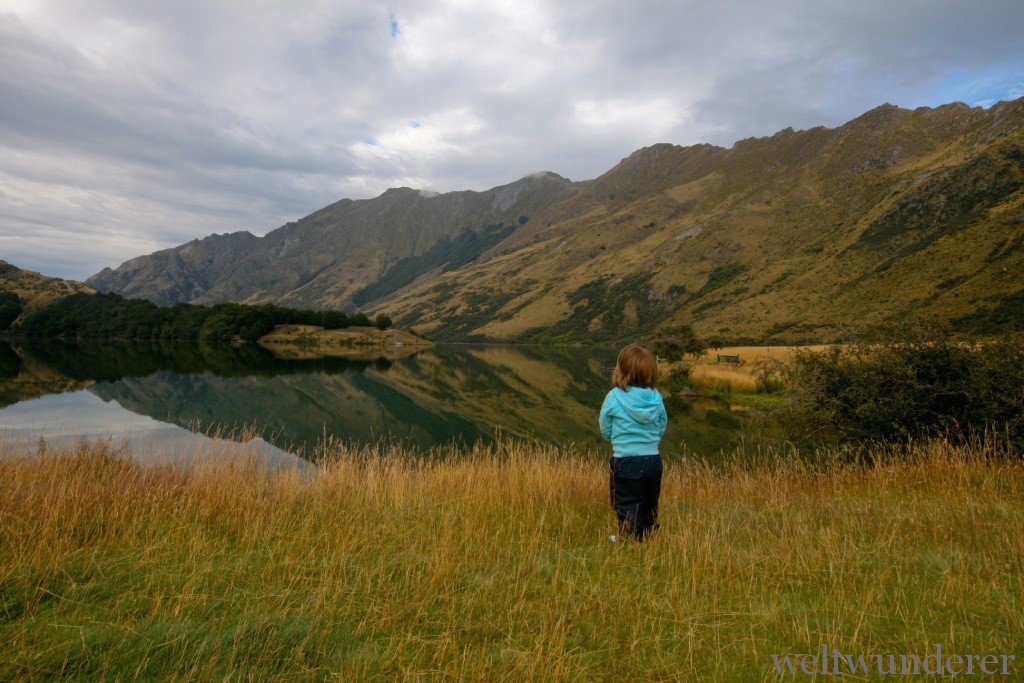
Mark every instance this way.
x=748 y=399
x=494 y=563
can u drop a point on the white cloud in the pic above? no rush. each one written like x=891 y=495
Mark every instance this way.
x=129 y=126
x=656 y=116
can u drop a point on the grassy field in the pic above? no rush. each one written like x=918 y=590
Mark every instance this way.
x=495 y=564
x=708 y=373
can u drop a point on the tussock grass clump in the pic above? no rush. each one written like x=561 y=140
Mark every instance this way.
x=494 y=562
x=723 y=378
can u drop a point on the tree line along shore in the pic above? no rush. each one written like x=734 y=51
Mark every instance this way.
x=111 y=316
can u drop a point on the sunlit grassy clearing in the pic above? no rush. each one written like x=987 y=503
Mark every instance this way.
x=496 y=562
x=723 y=377
x=708 y=372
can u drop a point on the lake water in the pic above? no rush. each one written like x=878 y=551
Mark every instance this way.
x=165 y=398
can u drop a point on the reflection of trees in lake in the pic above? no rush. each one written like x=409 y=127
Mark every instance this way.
x=293 y=411
x=111 y=361
x=448 y=393
x=10 y=362
x=23 y=380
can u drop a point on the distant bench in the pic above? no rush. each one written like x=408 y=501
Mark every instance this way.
x=725 y=358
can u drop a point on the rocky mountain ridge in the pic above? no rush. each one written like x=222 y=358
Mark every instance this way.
x=324 y=259
x=898 y=213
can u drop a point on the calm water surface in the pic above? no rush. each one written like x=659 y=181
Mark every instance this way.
x=171 y=396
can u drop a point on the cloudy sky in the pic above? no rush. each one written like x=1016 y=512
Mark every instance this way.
x=128 y=126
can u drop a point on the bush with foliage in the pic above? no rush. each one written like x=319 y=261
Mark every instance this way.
x=910 y=383
x=673 y=343
x=769 y=376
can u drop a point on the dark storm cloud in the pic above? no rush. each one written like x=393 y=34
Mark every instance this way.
x=128 y=126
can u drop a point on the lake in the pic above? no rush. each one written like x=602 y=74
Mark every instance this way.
x=167 y=399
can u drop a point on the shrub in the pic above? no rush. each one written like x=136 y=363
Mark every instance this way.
x=676 y=383
x=769 y=375
x=910 y=383
x=672 y=343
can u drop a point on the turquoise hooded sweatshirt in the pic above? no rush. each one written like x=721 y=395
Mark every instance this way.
x=633 y=420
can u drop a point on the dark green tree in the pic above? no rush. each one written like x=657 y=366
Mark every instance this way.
x=673 y=343
x=10 y=308
x=109 y=316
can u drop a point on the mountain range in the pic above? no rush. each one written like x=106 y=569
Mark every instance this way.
x=896 y=214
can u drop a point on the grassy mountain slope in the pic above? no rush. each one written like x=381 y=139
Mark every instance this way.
x=328 y=257
x=792 y=237
x=36 y=290
x=897 y=213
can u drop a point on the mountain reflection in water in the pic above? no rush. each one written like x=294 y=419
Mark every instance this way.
x=455 y=393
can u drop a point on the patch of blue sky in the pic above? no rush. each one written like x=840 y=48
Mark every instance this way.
x=395 y=31
x=414 y=124
x=980 y=89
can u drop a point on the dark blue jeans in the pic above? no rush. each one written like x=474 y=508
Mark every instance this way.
x=635 y=485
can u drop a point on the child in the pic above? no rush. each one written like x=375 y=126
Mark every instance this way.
x=633 y=418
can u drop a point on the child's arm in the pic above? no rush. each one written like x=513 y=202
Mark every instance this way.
x=605 y=419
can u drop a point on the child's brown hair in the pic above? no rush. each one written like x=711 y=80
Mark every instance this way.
x=636 y=367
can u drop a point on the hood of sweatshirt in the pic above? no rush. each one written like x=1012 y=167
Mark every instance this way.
x=640 y=403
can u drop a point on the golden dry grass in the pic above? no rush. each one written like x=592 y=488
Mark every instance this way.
x=707 y=372
x=723 y=377
x=751 y=354
x=494 y=564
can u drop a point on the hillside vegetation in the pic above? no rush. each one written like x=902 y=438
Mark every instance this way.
x=111 y=316
x=495 y=563
x=23 y=291
x=897 y=214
